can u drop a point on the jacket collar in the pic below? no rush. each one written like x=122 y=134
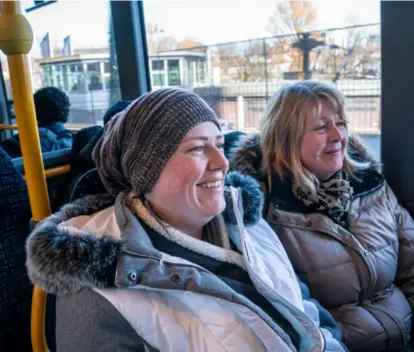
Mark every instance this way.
x=281 y=194
x=94 y=258
x=56 y=127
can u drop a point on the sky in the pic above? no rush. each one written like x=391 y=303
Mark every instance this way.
x=214 y=21
x=210 y=21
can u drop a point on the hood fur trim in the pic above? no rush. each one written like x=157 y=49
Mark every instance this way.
x=360 y=152
x=252 y=198
x=247 y=157
x=61 y=261
x=49 y=250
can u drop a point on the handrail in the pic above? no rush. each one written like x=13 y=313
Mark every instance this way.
x=16 y=39
x=74 y=129
x=56 y=171
x=4 y=127
x=50 y=160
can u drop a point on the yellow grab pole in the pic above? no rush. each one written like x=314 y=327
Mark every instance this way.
x=16 y=39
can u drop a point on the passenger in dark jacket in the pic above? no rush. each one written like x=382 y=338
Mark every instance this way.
x=348 y=238
x=52 y=112
x=86 y=139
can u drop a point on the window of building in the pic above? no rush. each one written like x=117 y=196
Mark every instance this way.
x=174 y=73
x=157 y=65
x=158 y=79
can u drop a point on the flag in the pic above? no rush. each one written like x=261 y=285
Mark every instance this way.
x=45 y=47
x=67 y=47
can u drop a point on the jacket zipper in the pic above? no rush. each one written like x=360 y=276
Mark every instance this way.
x=364 y=255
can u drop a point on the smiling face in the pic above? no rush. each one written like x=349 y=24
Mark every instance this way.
x=324 y=142
x=190 y=190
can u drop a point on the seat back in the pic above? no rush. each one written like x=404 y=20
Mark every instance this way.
x=57 y=186
x=88 y=183
x=15 y=287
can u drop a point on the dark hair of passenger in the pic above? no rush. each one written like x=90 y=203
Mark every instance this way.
x=114 y=109
x=52 y=105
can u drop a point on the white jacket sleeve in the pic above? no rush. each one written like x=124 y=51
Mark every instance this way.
x=331 y=344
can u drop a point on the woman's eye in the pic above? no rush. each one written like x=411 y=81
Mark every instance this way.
x=341 y=124
x=320 y=128
x=220 y=146
x=197 y=149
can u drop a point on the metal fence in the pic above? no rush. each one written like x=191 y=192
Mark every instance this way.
x=244 y=103
x=238 y=78
x=242 y=76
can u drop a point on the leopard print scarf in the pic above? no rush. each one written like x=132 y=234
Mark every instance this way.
x=333 y=196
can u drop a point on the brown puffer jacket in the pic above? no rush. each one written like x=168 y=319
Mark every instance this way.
x=364 y=273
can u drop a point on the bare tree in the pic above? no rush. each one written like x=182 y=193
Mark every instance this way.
x=352 y=52
x=166 y=43
x=242 y=62
x=191 y=43
x=364 y=58
x=153 y=31
x=292 y=17
x=157 y=41
x=363 y=50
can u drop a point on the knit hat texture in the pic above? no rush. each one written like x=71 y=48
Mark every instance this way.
x=138 y=142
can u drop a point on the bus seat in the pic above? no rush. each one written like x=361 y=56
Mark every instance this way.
x=83 y=144
x=81 y=160
x=57 y=189
x=87 y=183
x=16 y=289
x=57 y=186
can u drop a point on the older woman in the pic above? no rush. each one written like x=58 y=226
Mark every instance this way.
x=339 y=221
x=178 y=262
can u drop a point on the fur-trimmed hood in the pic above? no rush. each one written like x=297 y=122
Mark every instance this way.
x=63 y=259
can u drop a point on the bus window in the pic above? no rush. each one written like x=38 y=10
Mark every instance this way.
x=238 y=55
x=74 y=51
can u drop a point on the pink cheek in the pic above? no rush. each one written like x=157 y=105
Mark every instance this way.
x=174 y=183
x=191 y=172
x=182 y=184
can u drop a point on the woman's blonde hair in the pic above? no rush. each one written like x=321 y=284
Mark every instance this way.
x=283 y=127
